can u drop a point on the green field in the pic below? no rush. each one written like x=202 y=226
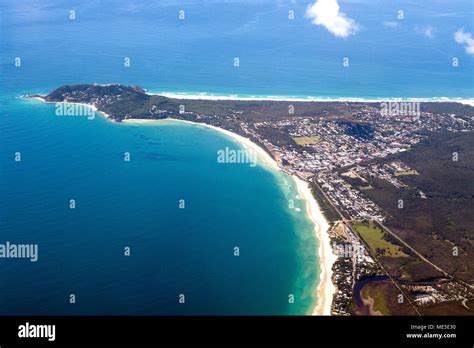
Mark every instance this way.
x=375 y=238
x=307 y=140
x=408 y=172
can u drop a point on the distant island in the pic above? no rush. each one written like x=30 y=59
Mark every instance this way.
x=393 y=179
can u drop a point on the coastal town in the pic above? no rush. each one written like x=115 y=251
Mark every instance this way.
x=342 y=149
x=333 y=155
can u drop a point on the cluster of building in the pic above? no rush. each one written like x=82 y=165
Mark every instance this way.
x=329 y=148
x=439 y=292
x=389 y=172
x=350 y=202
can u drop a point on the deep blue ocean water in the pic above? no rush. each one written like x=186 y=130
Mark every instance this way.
x=135 y=204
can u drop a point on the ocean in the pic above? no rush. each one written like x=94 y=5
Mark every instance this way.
x=388 y=57
x=135 y=204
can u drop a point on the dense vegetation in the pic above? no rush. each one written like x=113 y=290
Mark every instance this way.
x=441 y=223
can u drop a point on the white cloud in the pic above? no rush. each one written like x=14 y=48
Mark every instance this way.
x=391 y=24
x=463 y=38
x=327 y=14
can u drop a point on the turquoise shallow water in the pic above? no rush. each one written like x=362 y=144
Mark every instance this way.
x=135 y=204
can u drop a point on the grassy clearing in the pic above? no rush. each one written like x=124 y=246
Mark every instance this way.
x=307 y=140
x=375 y=238
x=408 y=172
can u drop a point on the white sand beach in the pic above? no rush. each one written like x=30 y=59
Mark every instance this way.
x=469 y=102
x=326 y=288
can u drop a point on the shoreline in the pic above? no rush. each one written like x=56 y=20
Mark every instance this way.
x=326 y=287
